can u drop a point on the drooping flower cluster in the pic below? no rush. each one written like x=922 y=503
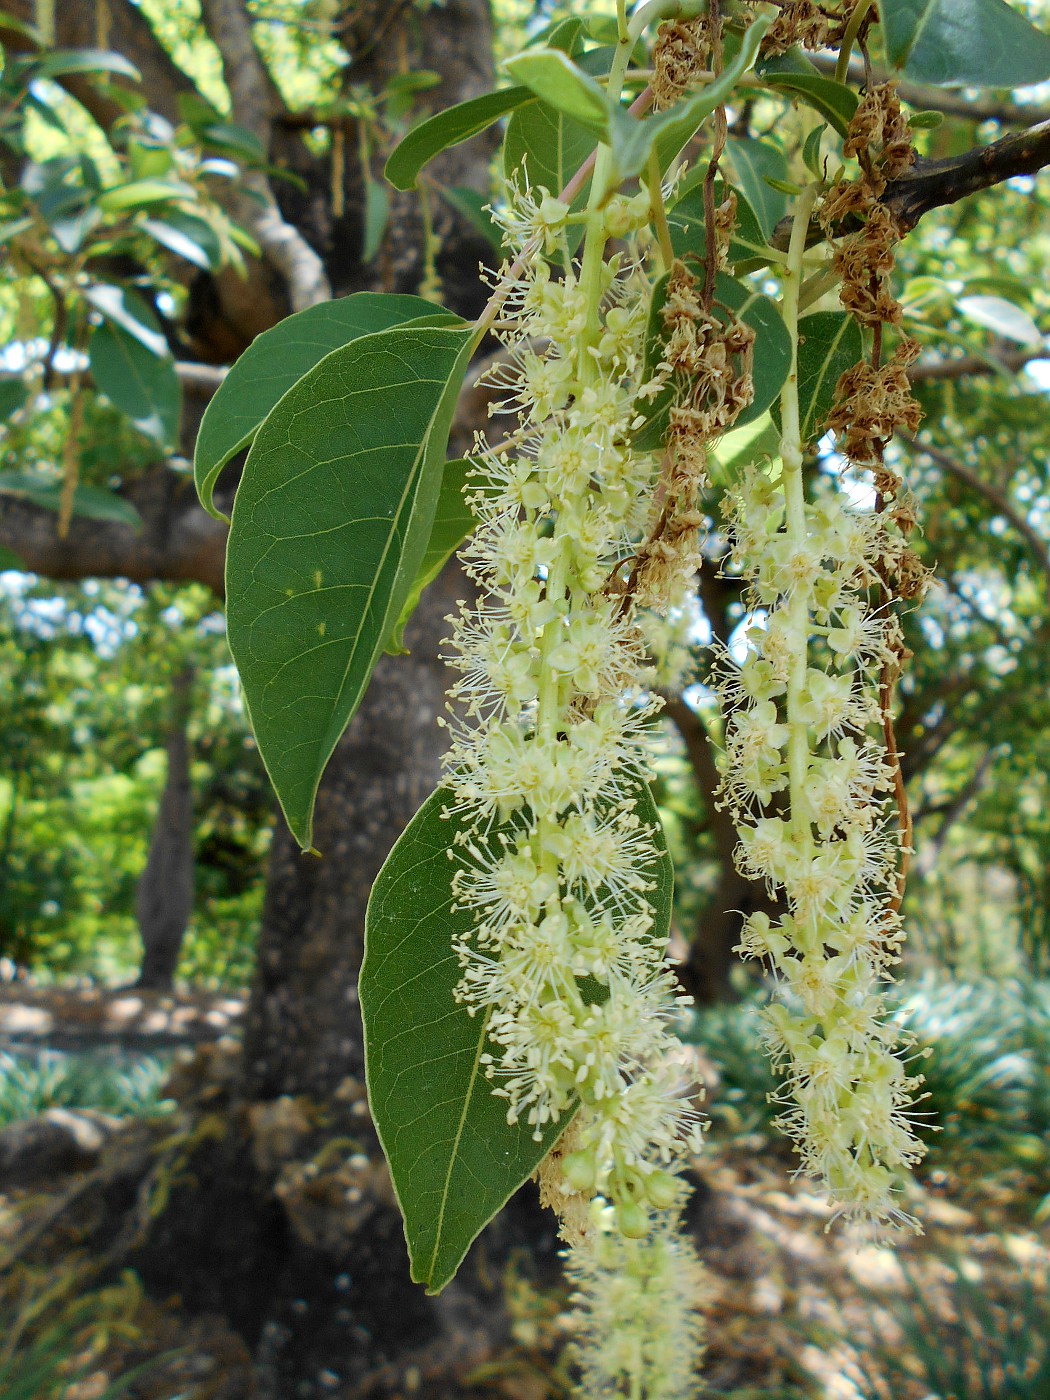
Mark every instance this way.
x=556 y=858
x=637 y=1314
x=807 y=777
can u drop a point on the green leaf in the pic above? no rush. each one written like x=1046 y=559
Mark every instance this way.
x=798 y=78
x=62 y=63
x=755 y=162
x=330 y=525
x=124 y=308
x=142 y=385
x=772 y=354
x=235 y=140
x=93 y=502
x=634 y=138
x=547 y=147
x=13 y=393
x=449 y=128
x=1002 y=317
x=10 y=560
x=964 y=43
x=453 y=522
x=377 y=212
x=454 y=1159
x=473 y=207
x=142 y=194
x=191 y=238
x=685 y=221
x=829 y=343
x=811 y=156
x=556 y=80
x=274 y=362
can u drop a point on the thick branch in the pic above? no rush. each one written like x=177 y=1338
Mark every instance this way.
x=933 y=184
x=256 y=104
x=991 y=493
x=178 y=540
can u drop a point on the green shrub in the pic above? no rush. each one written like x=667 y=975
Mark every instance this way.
x=120 y=1086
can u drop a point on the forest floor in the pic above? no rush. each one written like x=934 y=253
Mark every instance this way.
x=792 y=1305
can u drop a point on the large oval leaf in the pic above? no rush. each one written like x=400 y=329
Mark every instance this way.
x=754 y=163
x=454 y=1159
x=685 y=221
x=964 y=43
x=278 y=358
x=453 y=522
x=330 y=525
x=796 y=76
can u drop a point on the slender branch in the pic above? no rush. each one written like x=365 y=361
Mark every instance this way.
x=991 y=493
x=962 y=366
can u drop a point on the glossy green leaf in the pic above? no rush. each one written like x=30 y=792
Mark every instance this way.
x=92 y=502
x=754 y=163
x=685 y=221
x=236 y=141
x=377 y=213
x=829 y=343
x=274 y=362
x=142 y=385
x=964 y=43
x=454 y=1159
x=191 y=238
x=555 y=79
x=143 y=194
x=548 y=148
x=770 y=365
x=126 y=309
x=449 y=128
x=453 y=522
x=329 y=528
x=63 y=63
x=797 y=77
x=1002 y=317
x=633 y=138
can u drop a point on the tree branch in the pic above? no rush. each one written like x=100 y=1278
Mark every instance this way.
x=178 y=540
x=934 y=184
x=991 y=493
x=962 y=366
x=256 y=104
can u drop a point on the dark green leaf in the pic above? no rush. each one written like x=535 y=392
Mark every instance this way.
x=124 y=308
x=829 y=343
x=274 y=362
x=453 y=522
x=835 y=102
x=964 y=43
x=454 y=1159
x=61 y=63
x=685 y=220
x=191 y=238
x=555 y=79
x=547 y=148
x=330 y=525
x=474 y=208
x=772 y=354
x=753 y=163
x=377 y=212
x=235 y=140
x=93 y=502
x=448 y=128
x=13 y=394
x=142 y=385
x=811 y=156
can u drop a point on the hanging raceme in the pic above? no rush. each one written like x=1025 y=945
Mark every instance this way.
x=518 y=1005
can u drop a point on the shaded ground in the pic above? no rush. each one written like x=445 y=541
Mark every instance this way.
x=70 y=1018
x=787 y=1299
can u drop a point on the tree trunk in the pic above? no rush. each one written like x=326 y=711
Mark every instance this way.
x=164 y=901
x=302 y=1031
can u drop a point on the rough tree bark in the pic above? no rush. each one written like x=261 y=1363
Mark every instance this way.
x=164 y=899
